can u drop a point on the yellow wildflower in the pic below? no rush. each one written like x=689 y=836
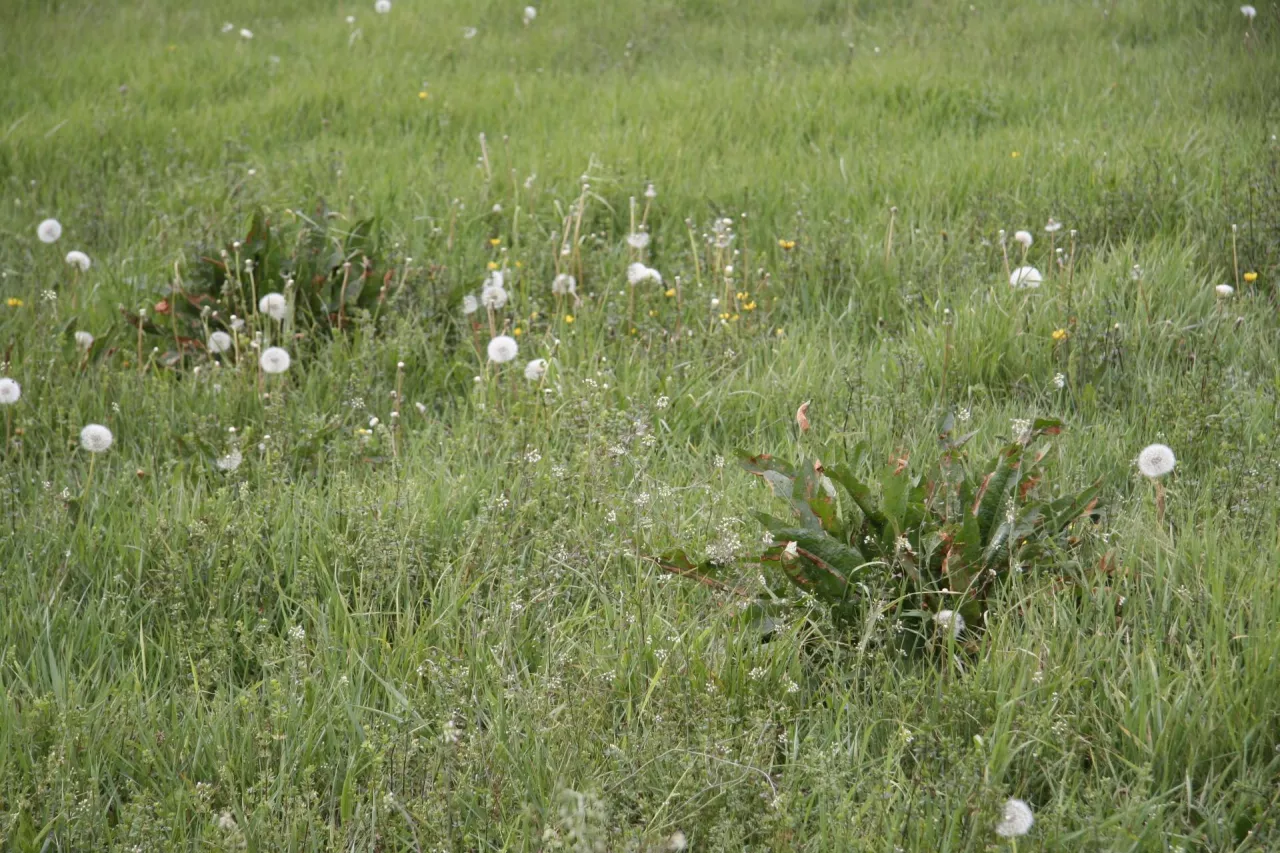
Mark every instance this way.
x=517 y=331
x=671 y=291
x=493 y=265
x=1014 y=155
x=1059 y=335
x=13 y=302
x=787 y=245
x=568 y=318
x=1250 y=277
x=493 y=241
x=422 y=96
x=750 y=306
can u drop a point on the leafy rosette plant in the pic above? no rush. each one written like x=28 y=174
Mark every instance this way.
x=335 y=273
x=936 y=544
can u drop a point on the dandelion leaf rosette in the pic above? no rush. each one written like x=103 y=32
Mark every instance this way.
x=933 y=540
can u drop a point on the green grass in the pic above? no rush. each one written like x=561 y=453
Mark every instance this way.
x=458 y=642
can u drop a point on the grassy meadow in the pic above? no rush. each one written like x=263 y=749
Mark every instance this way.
x=403 y=597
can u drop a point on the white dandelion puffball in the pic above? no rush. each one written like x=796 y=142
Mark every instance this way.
x=49 y=231
x=219 y=342
x=274 y=305
x=564 y=285
x=494 y=295
x=469 y=32
x=638 y=240
x=651 y=192
x=502 y=349
x=246 y=34
x=382 y=7
x=1025 y=278
x=535 y=370
x=274 y=360
x=1052 y=226
x=1023 y=237
x=10 y=391
x=638 y=273
x=84 y=340
x=79 y=260
x=1156 y=460
x=529 y=14
x=96 y=438
x=949 y=621
x=470 y=304
x=230 y=462
x=1224 y=290
x=1016 y=820
x=1249 y=12
x=495 y=279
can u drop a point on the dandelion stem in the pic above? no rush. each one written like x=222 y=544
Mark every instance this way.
x=484 y=156
x=342 y=294
x=1235 y=256
x=888 y=243
x=88 y=481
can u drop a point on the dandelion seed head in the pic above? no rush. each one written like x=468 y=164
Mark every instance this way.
x=535 y=370
x=638 y=241
x=230 y=462
x=274 y=360
x=84 y=340
x=1156 y=460
x=79 y=260
x=1015 y=820
x=502 y=349
x=382 y=7
x=1023 y=237
x=10 y=391
x=638 y=273
x=1053 y=226
x=494 y=295
x=246 y=34
x=470 y=304
x=1224 y=290
x=1249 y=12
x=96 y=438
x=564 y=285
x=49 y=231
x=219 y=342
x=274 y=305
x=949 y=621
x=1025 y=278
